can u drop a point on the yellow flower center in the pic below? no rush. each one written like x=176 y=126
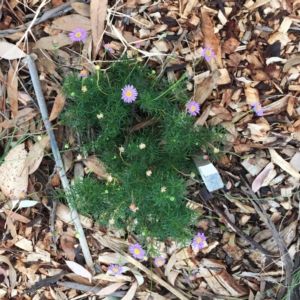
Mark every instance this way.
x=198 y=240
x=128 y=93
x=191 y=277
x=137 y=251
x=192 y=108
x=78 y=34
x=159 y=262
x=115 y=270
x=208 y=52
x=258 y=107
x=132 y=206
x=55 y=41
x=22 y=194
x=83 y=72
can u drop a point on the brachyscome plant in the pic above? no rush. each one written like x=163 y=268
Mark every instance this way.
x=142 y=130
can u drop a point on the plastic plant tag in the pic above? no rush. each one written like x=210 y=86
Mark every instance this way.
x=208 y=172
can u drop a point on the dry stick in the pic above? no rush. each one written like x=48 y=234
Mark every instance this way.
x=241 y=233
x=167 y=60
x=43 y=108
x=56 y=11
x=283 y=249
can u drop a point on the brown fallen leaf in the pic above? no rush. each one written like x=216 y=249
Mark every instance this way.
x=11 y=183
x=211 y=40
x=58 y=106
x=10 y=51
x=70 y=22
x=252 y=95
x=15 y=216
x=205 y=86
x=284 y=165
x=46 y=42
x=12 y=91
x=34 y=156
x=98 y=16
x=110 y=289
x=230 y=45
x=81 y=8
x=67 y=244
x=94 y=164
x=64 y=213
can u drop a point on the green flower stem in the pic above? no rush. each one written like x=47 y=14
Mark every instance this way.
x=171 y=87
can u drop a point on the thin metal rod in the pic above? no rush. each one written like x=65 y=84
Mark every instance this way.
x=58 y=161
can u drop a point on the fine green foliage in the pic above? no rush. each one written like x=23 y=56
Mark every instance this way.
x=145 y=146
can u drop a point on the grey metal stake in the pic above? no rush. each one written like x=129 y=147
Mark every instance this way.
x=43 y=108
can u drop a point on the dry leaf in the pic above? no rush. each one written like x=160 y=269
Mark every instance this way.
x=11 y=271
x=230 y=45
x=82 y=8
x=172 y=277
x=70 y=22
x=98 y=16
x=15 y=216
x=94 y=164
x=257 y=183
x=78 y=269
x=35 y=154
x=210 y=39
x=131 y=292
x=110 y=289
x=205 y=85
x=10 y=51
x=64 y=213
x=284 y=165
x=46 y=42
x=58 y=106
x=12 y=91
x=11 y=182
x=67 y=244
x=252 y=95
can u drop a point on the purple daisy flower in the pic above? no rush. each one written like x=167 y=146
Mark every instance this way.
x=129 y=93
x=193 y=108
x=258 y=109
x=228 y=185
x=191 y=277
x=108 y=48
x=78 y=35
x=115 y=269
x=189 y=74
x=198 y=241
x=132 y=207
x=83 y=73
x=137 y=251
x=23 y=195
x=55 y=43
x=208 y=53
x=159 y=261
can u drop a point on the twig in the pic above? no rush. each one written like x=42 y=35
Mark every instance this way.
x=56 y=11
x=58 y=160
x=282 y=247
x=167 y=60
x=44 y=282
x=241 y=233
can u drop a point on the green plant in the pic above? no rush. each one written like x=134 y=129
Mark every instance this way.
x=145 y=146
